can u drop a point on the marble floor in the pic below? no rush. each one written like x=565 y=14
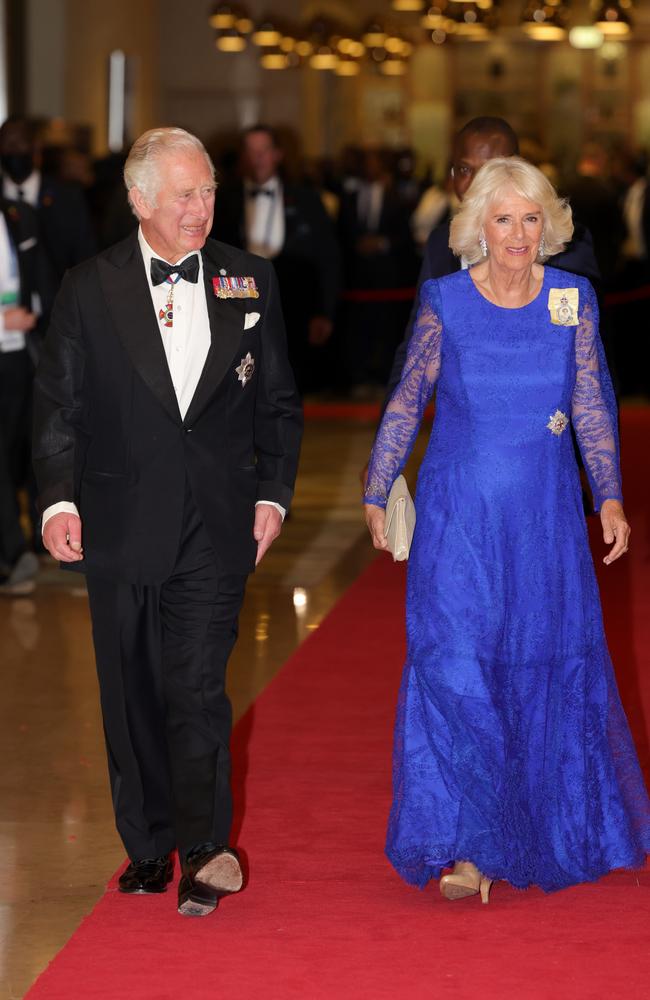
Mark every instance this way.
x=58 y=843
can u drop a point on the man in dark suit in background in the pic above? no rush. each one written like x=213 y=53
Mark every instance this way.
x=27 y=287
x=167 y=423
x=20 y=306
x=287 y=224
x=480 y=140
x=65 y=225
x=379 y=258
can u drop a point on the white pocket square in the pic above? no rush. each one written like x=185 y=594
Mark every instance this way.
x=250 y=320
x=27 y=244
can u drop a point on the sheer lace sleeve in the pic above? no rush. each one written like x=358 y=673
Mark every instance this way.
x=593 y=407
x=401 y=420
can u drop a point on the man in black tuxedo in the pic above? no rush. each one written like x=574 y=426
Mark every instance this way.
x=480 y=140
x=65 y=225
x=286 y=223
x=167 y=423
x=379 y=257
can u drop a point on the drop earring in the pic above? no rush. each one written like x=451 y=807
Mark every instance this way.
x=483 y=245
x=541 y=250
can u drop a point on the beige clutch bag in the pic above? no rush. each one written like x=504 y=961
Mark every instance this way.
x=400 y=520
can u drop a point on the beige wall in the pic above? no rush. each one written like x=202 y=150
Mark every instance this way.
x=180 y=78
x=93 y=30
x=46 y=33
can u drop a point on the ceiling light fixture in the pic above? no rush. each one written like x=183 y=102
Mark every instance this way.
x=545 y=22
x=613 y=20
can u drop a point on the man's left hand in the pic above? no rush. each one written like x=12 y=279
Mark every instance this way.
x=268 y=524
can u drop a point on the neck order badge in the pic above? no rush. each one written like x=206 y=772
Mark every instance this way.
x=166 y=314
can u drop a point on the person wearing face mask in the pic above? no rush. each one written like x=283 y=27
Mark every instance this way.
x=64 y=221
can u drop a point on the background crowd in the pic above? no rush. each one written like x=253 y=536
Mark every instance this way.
x=346 y=237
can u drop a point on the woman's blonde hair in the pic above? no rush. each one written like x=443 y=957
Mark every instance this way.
x=141 y=169
x=495 y=179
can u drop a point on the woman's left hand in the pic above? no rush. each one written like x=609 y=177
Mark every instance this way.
x=615 y=529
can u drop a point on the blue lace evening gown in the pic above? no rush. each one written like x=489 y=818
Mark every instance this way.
x=511 y=746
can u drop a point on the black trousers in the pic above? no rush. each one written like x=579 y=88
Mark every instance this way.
x=161 y=656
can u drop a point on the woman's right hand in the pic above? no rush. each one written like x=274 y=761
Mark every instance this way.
x=376 y=521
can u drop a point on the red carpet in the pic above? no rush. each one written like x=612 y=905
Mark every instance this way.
x=324 y=916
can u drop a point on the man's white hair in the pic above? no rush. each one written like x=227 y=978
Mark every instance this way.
x=141 y=169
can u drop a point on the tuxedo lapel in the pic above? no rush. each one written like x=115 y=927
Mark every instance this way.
x=226 y=328
x=124 y=283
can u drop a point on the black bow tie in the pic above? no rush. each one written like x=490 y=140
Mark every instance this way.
x=189 y=270
x=254 y=191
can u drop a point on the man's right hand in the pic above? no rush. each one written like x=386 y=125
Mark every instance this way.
x=17 y=318
x=62 y=537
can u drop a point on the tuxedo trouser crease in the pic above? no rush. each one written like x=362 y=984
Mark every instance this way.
x=161 y=654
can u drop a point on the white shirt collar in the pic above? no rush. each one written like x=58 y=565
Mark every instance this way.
x=148 y=253
x=30 y=188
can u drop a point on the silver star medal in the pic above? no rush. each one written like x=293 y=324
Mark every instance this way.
x=245 y=369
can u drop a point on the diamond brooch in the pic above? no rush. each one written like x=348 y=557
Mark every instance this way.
x=557 y=422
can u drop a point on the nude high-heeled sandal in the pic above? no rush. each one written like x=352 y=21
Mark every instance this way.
x=466 y=880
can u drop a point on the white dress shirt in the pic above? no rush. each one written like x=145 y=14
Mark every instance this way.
x=370 y=202
x=27 y=191
x=264 y=217
x=186 y=344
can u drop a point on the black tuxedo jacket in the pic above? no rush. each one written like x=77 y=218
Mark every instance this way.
x=394 y=268
x=22 y=226
x=65 y=224
x=578 y=258
x=108 y=433
x=308 y=265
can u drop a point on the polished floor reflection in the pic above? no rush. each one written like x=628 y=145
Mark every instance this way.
x=59 y=845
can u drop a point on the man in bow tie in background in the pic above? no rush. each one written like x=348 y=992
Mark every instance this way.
x=167 y=432
x=286 y=223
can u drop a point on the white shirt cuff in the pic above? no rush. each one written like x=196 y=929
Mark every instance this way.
x=271 y=503
x=65 y=507
x=62 y=507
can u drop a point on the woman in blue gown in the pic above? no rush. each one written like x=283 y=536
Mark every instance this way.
x=513 y=758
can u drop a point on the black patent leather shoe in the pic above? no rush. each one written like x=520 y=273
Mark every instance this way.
x=148 y=876
x=209 y=874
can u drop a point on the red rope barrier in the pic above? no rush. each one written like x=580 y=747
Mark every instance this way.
x=379 y=295
x=408 y=294
x=631 y=295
